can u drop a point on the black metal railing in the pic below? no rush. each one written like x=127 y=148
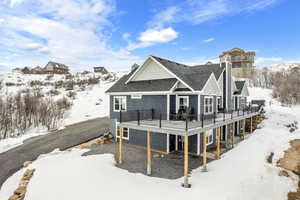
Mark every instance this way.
x=185 y=121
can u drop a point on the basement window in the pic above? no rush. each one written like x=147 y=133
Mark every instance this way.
x=125 y=133
x=210 y=138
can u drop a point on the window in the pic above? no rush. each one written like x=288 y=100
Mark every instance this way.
x=208 y=105
x=183 y=102
x=119 y=103
x=219 y=99
x=125 y=133
x=210 y=138
x=242 y=103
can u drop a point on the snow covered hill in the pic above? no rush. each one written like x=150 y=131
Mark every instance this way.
x=283 y=66
x=89 y=100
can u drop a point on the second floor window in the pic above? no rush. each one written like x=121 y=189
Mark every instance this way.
x=119 y=103
x=208 y=105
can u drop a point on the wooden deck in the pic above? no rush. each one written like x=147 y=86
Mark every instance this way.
x=179 y=127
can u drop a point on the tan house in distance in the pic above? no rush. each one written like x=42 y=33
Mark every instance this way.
x=242 y=61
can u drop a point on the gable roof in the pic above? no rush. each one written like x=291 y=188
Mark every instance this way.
x=142 y=86
x=193 y=77
x=239 y=86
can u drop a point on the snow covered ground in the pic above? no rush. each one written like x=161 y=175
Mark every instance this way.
x=241 y=173
x=10 y=143
x=88 y=104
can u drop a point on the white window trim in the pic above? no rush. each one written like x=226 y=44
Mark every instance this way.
x=125 y=138
x=211 y=133
x=121 y=103
x=212 y=104
x=177 y=102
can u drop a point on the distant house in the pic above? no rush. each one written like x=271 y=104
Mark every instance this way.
x=56 y=68
x=37 y=70
x=17 y=70
x=26 y=70
x=100 y=70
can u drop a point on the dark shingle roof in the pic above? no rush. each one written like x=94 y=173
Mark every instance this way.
x=142 y=86
x=194 y=76
x=239 y=87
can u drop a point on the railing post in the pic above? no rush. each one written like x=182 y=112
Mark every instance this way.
x=214 y=117
x=138 y=117
x=152 y=113
x=202 y=118
x=231 y=114
x=159 y=120
x=186 y=124
x=224 y=116
x=120 y=118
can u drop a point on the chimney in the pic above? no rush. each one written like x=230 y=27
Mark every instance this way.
x=133 y=67
x=227 y=82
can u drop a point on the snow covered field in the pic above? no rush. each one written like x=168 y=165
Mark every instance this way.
x=241 y=173
x=88 y=104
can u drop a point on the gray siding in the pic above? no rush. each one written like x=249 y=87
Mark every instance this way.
x=138 y=137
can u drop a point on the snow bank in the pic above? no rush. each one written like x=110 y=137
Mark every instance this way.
x=10 y=143
x=89 y=104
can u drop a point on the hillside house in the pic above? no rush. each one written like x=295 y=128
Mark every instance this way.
x=100 y=70
x=56 y=68
x=167 y=106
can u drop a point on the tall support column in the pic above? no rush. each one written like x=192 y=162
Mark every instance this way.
x=121 y=145
x=204 y=154
x=244 y=128
x=176 y=143
x=232 y=137
x=198 y=144
x=186 y=163
x=218 y=142
x=149 y=154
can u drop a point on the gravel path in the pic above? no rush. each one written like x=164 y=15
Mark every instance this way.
x=12 y=160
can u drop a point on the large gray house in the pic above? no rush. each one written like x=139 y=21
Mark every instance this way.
x=163 y=87
x=178 y=103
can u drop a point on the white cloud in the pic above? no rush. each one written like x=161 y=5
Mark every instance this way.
x=158 y=36
x=125 y=36
x=208 y=40
x=164 y=17
x=74 y=32
x=15 y=2
x=152 y=36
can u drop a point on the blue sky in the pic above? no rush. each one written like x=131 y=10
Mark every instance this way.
x=116 y=34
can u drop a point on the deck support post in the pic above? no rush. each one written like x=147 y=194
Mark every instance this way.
x=186 y=163
x=218 y=142
x=232 y=137
x=121 y=145
x=244 y=128
x=251 y=129
x=176 y=143
x=149 y=155
x=204 y=154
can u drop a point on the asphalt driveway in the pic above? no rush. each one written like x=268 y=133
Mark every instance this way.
x=12 y=160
